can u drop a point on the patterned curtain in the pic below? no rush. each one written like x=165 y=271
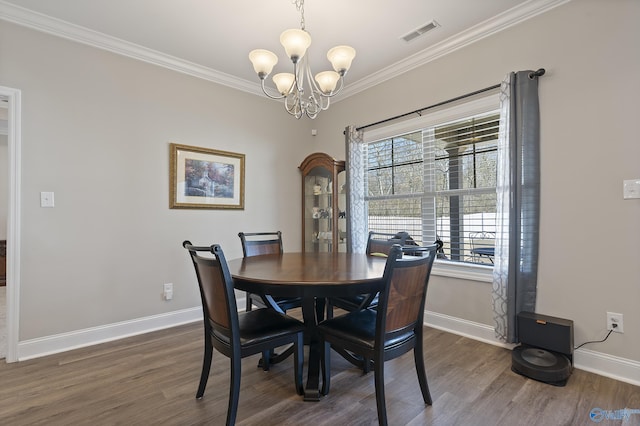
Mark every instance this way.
x=356 y=205
x=518 y=188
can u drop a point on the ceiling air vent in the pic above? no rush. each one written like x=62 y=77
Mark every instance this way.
x=420 y=31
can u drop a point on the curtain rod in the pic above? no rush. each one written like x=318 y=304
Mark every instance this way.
x=532 y=74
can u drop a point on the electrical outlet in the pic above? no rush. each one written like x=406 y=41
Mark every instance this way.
x=168 y=291
x=615 y=322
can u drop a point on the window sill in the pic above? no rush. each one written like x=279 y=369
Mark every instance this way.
x=463 y=271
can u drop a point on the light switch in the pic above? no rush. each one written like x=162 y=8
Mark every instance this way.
x=631 y=189
x=46 y=199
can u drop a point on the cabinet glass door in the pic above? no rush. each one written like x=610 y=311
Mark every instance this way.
x=341 y=212
x=318 y=210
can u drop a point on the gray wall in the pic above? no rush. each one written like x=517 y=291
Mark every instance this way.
x=589 y=100
x=96 y=129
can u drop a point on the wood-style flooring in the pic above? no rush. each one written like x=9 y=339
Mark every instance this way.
x=152 y=379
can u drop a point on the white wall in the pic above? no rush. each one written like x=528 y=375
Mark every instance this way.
x=589 y=102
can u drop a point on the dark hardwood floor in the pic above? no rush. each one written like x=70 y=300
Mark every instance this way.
x=151 y=380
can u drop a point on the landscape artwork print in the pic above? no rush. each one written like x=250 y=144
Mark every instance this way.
x=208 y=179
x=203 y=178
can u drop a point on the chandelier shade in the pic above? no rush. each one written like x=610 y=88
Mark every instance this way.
x=341 y=57
x=284 y=82
x=295 y=43
x=302 y=93
x=263 y=61
x=327 y=80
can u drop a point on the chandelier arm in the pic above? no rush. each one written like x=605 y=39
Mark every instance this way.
x=290 y=103
x=293 y=106
x=315 y=97
x=339 y=89
x=312 y=110
x=298 y=73
x=264 y=90
x=326 y=106
x=315 y=89
x=322 y=102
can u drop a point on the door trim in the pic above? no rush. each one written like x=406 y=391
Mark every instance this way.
x=14 y=139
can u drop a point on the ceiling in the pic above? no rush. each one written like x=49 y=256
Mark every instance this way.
x=211 y=39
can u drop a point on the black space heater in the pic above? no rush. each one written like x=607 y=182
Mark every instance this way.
x=546 y=350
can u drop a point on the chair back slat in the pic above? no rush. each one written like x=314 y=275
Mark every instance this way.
x=213 y=291
x=260 y=243
x=406 y=291
x=406 y=278
x=377 y=247
x=216 y=288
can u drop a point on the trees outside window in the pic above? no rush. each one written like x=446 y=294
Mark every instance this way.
x=438 y=183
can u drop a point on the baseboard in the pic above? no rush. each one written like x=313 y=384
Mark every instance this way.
x=622 y=369
x=462 y=327
x=48 y=345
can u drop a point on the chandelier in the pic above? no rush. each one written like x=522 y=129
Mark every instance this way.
x=298 y=99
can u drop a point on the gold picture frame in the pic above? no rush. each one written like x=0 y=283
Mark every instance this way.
x=203 y=178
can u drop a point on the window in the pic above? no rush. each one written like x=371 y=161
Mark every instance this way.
x=438 y=183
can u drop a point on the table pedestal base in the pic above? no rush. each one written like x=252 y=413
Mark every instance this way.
x=313 y=312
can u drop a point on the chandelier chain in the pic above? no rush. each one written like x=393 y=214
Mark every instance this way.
x=300 y=7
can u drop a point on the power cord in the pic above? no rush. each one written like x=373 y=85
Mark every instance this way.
x=598 y=341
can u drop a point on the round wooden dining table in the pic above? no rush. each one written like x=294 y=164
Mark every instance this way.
x=313 y=277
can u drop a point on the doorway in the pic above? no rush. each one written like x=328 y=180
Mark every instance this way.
x=10 y=100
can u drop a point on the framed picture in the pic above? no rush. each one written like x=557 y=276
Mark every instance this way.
x=202 y=178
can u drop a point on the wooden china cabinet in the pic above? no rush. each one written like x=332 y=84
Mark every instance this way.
x=324 y=203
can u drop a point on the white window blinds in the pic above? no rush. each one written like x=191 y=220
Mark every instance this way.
x=438 y=183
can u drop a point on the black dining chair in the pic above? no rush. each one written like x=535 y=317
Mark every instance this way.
x=263 y=243
x=378 y=244
x=238 y=335
x=392 y=329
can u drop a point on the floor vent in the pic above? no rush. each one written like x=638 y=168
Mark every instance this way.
x=420 y=31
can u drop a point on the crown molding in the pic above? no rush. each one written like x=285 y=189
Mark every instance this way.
x=57 y=27
x=485 y=29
